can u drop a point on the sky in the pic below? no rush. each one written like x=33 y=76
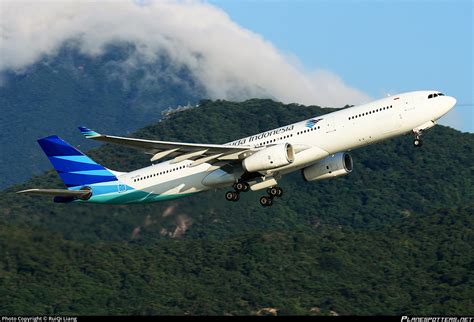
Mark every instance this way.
x=230 y=62
x=327 y=53
x=377 y=47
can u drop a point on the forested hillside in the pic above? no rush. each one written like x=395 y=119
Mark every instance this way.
x=393 y=237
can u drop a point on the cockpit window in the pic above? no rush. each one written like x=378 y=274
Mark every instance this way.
x=435 y=95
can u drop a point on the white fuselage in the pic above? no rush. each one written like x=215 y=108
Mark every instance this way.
x=312 y=139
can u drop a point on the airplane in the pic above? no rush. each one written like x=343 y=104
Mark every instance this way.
x=318 y=147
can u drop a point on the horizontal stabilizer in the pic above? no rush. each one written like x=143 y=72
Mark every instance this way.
x=88 y=133
x=79 y=194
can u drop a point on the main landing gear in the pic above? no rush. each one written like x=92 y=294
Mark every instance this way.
x=417 y=142
x=267 y=201
x=238 y=188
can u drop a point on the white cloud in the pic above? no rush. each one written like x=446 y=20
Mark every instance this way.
x=230 y=61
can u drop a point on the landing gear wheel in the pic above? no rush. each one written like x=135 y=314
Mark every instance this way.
x=266 y=201
x=417 y=143
x=231 y=196
x=279 y=193
x=241 y=186
x=275 y=191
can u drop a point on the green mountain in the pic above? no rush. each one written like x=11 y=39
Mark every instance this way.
x=393 y=237
x=70 y=89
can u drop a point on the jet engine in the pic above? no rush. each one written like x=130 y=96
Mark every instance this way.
x=335 y=165
x=269 y=158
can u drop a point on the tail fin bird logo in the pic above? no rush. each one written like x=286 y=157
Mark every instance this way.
x=311 y=123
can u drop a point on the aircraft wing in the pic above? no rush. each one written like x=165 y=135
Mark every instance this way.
x=58 y=192
x=180 y=151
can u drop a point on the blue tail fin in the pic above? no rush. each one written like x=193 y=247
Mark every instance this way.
x=74 y=167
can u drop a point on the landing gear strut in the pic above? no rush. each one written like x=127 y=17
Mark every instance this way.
x=267 y=201
x=238 y=188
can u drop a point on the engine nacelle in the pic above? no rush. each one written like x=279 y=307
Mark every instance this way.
x=269 y=158
x=335 y=165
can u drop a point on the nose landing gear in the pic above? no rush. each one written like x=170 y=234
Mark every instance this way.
x=417 y=142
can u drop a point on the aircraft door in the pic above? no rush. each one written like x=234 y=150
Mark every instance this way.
x=409 y=103
x=329 y=125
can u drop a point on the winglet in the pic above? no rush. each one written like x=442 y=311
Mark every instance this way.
x=88 y=133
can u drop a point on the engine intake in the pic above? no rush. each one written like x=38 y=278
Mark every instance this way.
x=270 y=158
x=335 y=165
